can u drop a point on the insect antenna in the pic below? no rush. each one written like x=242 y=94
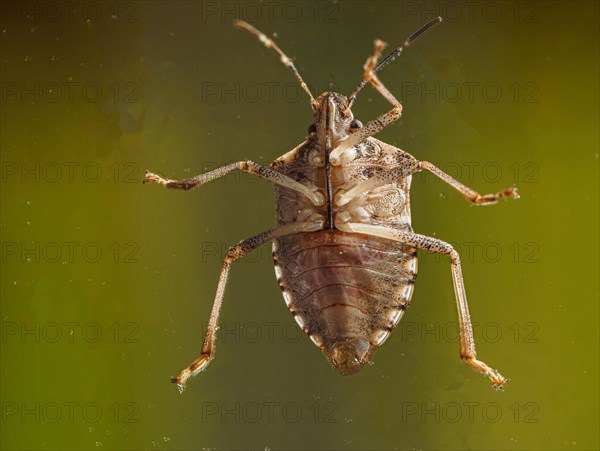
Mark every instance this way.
x=392 y=56
x=267 y=42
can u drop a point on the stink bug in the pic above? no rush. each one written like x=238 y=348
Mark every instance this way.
x=344 y=249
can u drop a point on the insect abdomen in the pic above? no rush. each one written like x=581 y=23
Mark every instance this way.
x=345 y=290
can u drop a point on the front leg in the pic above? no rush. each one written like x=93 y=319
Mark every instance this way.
x=371 y=67
x=467 y=342
x=370 y=76
x=336 y=157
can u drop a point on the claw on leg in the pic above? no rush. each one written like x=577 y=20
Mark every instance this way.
x=494 y=376
x=196 y=367
x=150 y=177
x=185 y=185
x=490 y=199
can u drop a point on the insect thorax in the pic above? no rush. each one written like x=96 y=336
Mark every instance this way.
x=383 y=201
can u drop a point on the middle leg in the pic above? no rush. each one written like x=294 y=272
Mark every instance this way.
x=473 y=196
x=247 y=166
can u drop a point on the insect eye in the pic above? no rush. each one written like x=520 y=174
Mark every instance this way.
x=312 y=129
x=355 y=124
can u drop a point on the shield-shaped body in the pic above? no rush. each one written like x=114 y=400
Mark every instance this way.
x=347 y=291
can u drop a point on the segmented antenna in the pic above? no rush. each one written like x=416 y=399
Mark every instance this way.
x=392 y=56
x=268 y=43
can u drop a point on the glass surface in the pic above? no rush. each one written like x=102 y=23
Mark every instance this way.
x=107 y=284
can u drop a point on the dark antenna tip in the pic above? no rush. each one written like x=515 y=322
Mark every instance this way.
x=423 y=29
x=392 y=56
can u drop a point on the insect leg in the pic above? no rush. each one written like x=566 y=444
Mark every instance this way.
x=371 y=67
x=467 y=342
x=371 y=128
x=235 y=252
x=473 y=196
x=369 y=76
x=247 y=166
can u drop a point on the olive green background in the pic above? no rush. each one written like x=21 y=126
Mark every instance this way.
x=174 y=87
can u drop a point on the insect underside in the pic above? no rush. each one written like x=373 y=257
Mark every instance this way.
x=344 y=250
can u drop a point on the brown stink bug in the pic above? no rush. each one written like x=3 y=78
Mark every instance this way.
x=344 y=249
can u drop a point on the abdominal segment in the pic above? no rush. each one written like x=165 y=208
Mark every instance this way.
x=346 y=291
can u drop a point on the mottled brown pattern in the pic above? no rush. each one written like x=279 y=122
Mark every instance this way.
x=346 y=289
x=344 y=285
x=343 y=245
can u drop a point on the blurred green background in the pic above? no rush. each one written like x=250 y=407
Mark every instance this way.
x=107 y=284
